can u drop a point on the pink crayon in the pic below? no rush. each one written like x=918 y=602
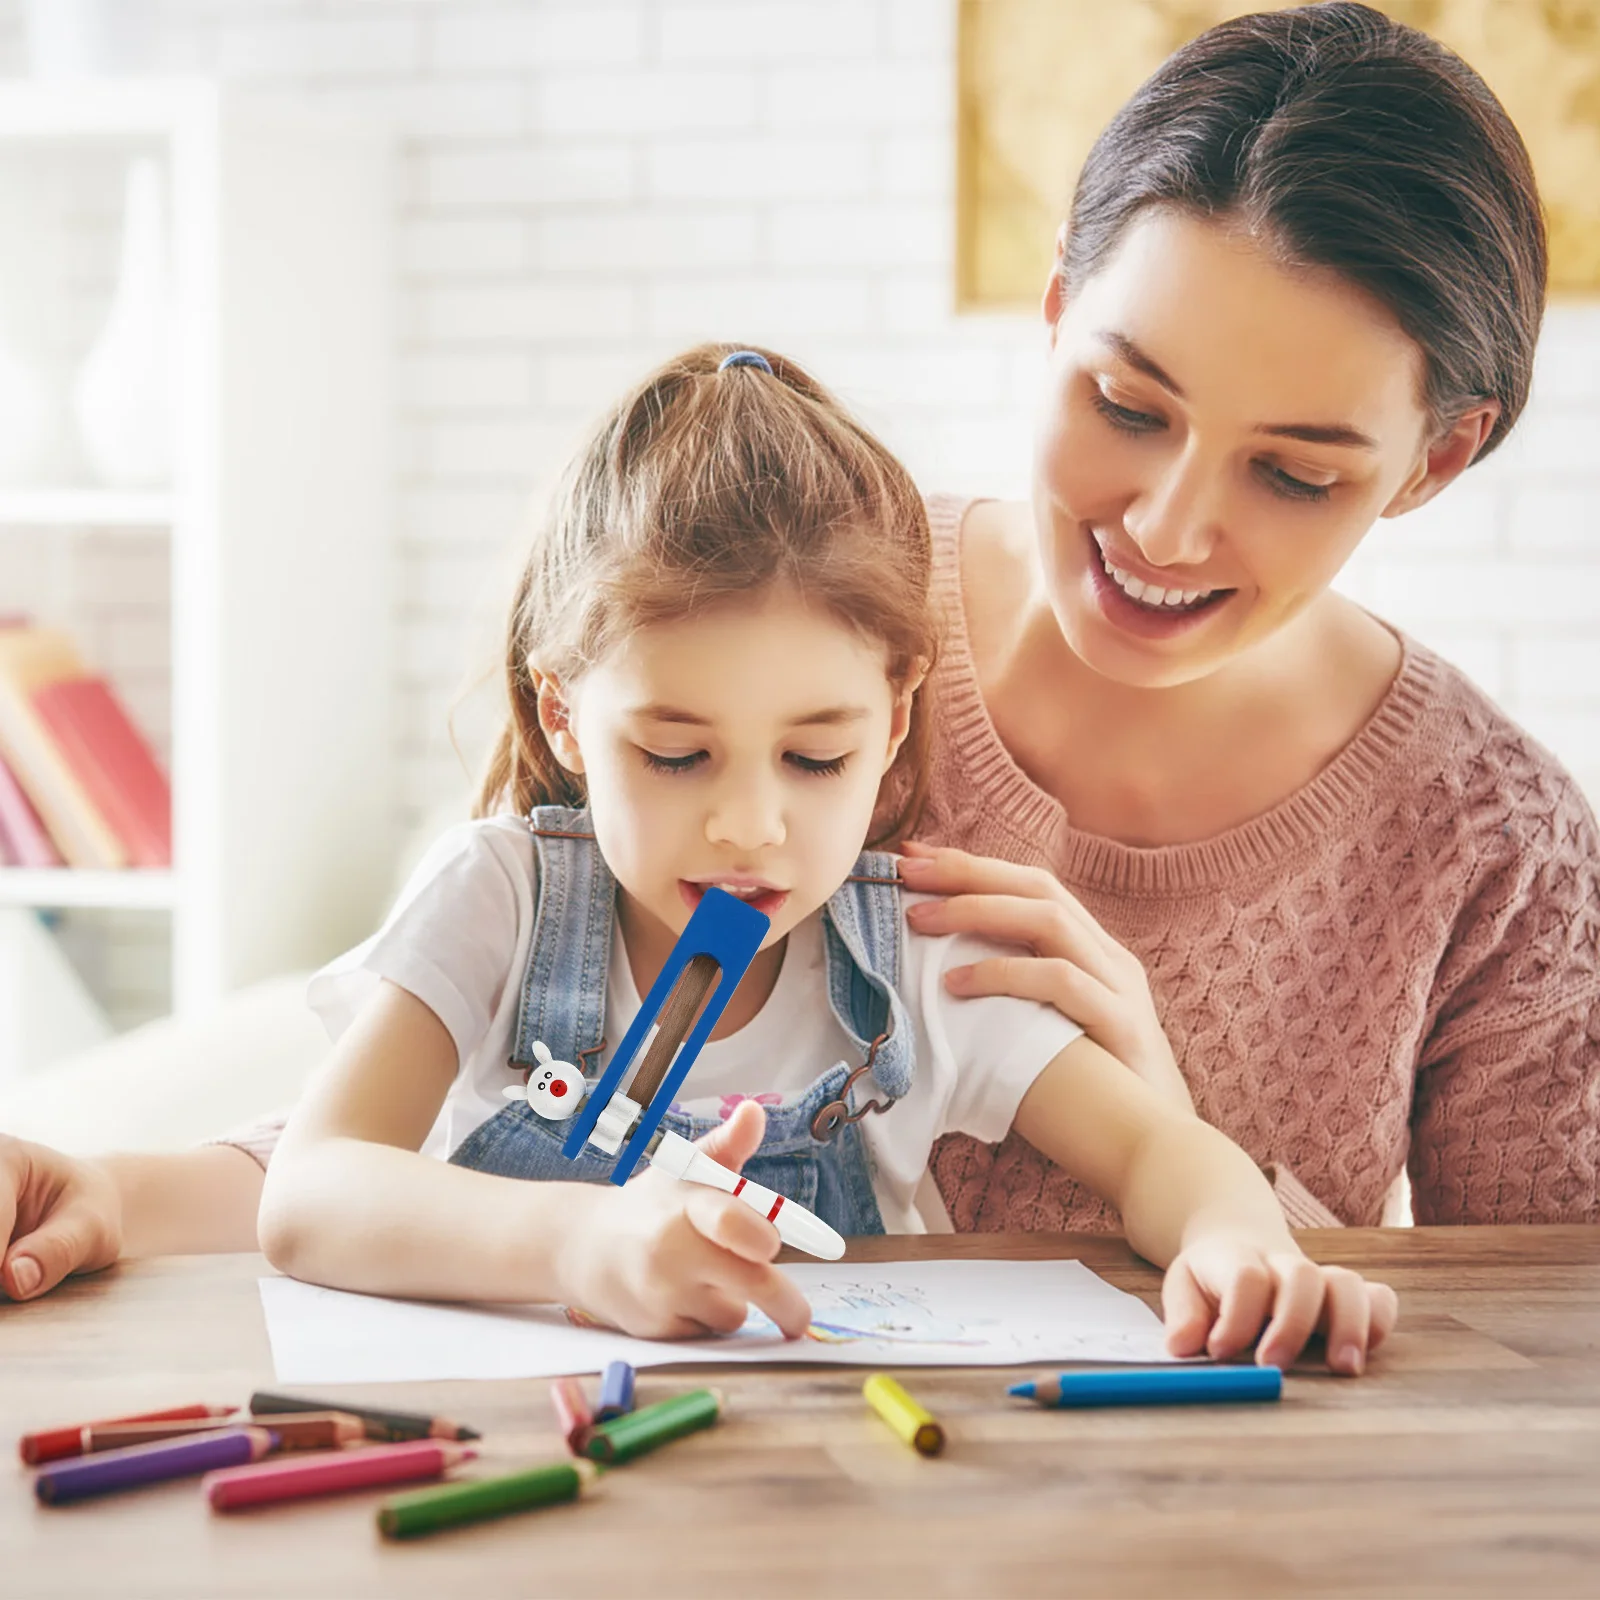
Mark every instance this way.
x=300 y=1477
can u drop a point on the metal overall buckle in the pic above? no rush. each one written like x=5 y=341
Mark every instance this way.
x=837 y=1114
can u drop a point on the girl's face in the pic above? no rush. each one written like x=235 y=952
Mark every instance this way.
x=1218 y=433
x=742 y=747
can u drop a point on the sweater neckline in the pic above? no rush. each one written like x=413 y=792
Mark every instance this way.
x=1338 y=795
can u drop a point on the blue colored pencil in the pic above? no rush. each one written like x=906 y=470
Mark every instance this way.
x=616 y=1392
x=1155 y=1386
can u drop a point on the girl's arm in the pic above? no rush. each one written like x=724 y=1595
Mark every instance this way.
x=1194 y=1202
x=350 y=1203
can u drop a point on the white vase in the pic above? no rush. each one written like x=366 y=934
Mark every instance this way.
x=123 y=399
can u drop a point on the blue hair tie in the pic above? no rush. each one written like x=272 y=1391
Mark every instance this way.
x=745 y=358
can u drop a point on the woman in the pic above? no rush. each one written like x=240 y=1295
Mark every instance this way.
x=1299 y=290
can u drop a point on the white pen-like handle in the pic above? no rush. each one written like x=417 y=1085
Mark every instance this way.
x=796 y=1226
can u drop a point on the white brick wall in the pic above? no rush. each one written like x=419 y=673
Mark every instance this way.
x=589 y=183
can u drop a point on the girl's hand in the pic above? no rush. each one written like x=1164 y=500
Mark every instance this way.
x=663 y=1259
x=1076 y=966
x=58 y=1215
x=1222 y=1289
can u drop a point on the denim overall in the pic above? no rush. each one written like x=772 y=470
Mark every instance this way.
x=813 y=1152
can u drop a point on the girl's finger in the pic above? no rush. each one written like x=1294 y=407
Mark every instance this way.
x=1384 y=1305
x=716 y=1311
x=777 y=1294
x=1295 y=1311
x=730 y=1225
x=739 y=1137
x=1346 y=1319
x=1186 y=1309
x=1246 y=1304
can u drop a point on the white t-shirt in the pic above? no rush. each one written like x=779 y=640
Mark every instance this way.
x=458 y=938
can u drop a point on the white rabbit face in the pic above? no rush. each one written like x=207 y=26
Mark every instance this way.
x=555 y=1090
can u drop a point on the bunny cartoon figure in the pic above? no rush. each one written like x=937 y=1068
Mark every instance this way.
x=554 y=1089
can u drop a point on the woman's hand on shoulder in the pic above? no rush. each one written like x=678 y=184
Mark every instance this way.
x=1075 y=965
x=1226 y=1292
x=663 y=1259
x=59 y=1215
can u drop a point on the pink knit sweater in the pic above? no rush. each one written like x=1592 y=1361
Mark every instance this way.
x=1398 y=967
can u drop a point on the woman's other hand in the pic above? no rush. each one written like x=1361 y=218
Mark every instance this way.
x=1076 y=966
x=60 y=1214
x=1222 y=1291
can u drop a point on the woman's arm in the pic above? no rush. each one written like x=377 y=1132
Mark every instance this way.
x=64 y=1214
x=1505 y=1124
x=349 y=1202
x=1194 y=1202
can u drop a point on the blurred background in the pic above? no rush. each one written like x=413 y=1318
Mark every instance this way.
x=302 y=300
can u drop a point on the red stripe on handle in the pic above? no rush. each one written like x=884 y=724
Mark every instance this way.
x=777 y=1206
x=738 y=1188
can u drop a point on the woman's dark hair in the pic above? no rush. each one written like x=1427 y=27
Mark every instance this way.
x=1353 y=143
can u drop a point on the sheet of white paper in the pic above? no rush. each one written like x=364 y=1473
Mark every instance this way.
x=925 y=1313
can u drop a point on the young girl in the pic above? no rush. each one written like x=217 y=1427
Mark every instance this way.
x=714 y=660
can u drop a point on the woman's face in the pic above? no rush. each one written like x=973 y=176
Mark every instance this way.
x=1219 y=432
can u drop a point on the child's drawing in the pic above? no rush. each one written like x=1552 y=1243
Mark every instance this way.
x=893 y=1313
x=850 y=1313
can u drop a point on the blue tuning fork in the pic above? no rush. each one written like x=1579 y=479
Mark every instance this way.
x=716 y=948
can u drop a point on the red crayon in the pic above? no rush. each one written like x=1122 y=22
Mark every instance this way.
x=298 y=1477
x=53 y=1444
x=573 y=1415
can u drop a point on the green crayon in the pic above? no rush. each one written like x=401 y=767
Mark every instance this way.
x=476 y=1499
x=625 y=1437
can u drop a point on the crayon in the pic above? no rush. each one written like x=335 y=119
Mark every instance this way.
x=1155 y=1386
x=388 y=1426
x=296 y=1430
x=573 y=1415
x=616 y=1392
x=625 y=1437
x=61 y=1482
x=55 y=1444
x=909 y=1420
x=331 y=1472
x=424 y=1510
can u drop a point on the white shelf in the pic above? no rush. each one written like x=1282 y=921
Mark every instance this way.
x=84 y=508
x=277 y=524
x=63 y=888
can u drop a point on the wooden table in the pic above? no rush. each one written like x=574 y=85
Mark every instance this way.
x=1467 y=1461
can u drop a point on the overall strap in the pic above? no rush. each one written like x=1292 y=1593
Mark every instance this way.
x=861 y=936
x=563 y=1000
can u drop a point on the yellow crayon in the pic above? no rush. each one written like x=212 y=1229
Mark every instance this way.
x=916 y=1426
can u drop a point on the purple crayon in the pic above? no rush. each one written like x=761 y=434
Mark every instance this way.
x=150 y=1463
